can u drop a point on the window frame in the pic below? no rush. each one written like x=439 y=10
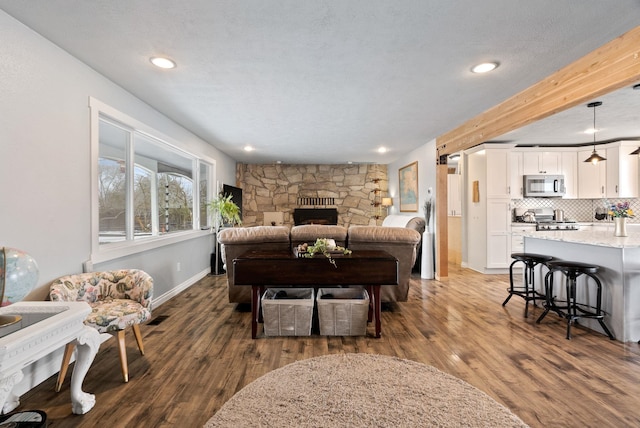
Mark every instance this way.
x=105 y=252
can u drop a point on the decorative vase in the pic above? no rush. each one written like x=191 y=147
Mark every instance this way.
x=621 y=226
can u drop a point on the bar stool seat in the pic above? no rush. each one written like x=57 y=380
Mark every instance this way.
x=527 y=290
x=571 y=309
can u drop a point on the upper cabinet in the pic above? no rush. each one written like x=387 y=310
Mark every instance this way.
x=622 y=170
x=454 y=195
x=498 y=180
x=592 y=179
x=569 y=161
x=516 y=190
x=537 y=162
x=617 y=177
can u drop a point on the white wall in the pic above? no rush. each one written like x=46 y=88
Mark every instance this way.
x=426 y=157
x=45 y=161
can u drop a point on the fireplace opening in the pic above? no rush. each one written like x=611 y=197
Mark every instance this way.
x=315 y=216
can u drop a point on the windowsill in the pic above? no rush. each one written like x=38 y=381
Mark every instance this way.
x=114 y=251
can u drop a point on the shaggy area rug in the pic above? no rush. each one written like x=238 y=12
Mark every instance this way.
x=361 y=390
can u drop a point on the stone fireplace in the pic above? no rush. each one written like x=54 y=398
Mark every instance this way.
x=315 y=216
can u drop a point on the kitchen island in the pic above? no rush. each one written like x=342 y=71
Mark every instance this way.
x=619 y=258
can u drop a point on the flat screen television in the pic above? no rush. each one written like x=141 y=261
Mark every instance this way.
x=236 y=195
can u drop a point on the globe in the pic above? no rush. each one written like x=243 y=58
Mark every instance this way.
x=20 y=275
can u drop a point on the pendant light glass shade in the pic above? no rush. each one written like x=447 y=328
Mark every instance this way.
x=595 y=157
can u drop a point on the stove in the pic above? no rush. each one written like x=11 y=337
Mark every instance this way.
x=557 y=225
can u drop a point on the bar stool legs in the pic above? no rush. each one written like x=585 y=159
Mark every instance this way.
x=573 y=310
x=527 y=291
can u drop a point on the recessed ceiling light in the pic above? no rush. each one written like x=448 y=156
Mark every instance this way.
x=248 y=148
x=484 y=67
x=382 y=150
x=162 y=62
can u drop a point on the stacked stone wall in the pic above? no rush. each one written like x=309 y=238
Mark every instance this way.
x=279 y=188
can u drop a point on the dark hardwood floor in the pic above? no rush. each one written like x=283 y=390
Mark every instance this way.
x=202 y=353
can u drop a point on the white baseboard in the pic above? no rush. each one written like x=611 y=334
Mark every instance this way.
x=157 y=301
x=49 y=365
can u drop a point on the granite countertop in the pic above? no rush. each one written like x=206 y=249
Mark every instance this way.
x=603 y=238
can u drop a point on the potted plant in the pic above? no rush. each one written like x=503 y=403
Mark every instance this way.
x=225 y=211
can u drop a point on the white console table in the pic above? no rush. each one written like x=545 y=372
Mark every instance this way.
x=45 y=327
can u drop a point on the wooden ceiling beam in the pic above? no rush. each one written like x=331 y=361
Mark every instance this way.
x=611 y=67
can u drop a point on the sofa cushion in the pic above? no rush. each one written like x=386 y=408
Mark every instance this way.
x=254 y=235
x=382 y=235
x=310 y=232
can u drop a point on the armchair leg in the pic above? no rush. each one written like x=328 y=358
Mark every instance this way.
x=66 y=358
x=136 y=333
x=122 y=348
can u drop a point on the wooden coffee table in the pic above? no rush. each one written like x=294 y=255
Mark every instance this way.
x=263 y=269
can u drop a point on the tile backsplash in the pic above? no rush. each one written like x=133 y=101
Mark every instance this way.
x=582 y=210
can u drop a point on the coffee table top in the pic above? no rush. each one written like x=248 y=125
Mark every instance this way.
x=361 y=267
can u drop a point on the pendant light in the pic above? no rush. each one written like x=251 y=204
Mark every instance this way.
x=595 y=157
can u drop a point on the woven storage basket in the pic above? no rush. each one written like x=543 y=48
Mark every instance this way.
x=345 y=314
x=288 y=317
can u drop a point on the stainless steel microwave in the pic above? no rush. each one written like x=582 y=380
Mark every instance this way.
x=544 y=186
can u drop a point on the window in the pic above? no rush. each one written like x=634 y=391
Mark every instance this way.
x=146 y=188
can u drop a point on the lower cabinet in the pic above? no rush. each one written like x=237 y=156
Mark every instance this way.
x=498 y=233
x=517 y=236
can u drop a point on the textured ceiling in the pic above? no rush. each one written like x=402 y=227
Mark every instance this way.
x=311 y=81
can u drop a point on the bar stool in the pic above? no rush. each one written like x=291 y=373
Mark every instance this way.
x=527 y=290
x=573 y=310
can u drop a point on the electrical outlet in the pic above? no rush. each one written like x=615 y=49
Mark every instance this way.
x=178 y=267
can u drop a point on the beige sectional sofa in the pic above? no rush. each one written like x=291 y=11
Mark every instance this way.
x=401 y=242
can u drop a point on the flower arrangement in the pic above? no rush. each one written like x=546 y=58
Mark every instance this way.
x=324 y=246
x=621 y=209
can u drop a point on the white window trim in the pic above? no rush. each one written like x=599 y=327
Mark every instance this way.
x=104 y=253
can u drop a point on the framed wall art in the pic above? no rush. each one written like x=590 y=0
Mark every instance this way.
x=408 y=179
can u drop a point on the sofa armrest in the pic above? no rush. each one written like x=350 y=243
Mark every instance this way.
x=400 y=242
x=237 y=240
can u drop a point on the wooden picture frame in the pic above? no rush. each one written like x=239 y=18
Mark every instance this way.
x=408 y=183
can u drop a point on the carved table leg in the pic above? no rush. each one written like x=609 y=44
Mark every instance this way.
x=88 y=342
x=7 y=398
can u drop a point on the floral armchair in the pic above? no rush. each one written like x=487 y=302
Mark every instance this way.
x=119 y=299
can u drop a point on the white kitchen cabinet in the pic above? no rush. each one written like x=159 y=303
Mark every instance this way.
x=454 y=195
x=569 y=169
x=622 y=170
x=516 y=190
x=517 y=236
x=498 y=233
x=592 y=179
x=488 y=217
x=497 y=175
x=546 y=163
